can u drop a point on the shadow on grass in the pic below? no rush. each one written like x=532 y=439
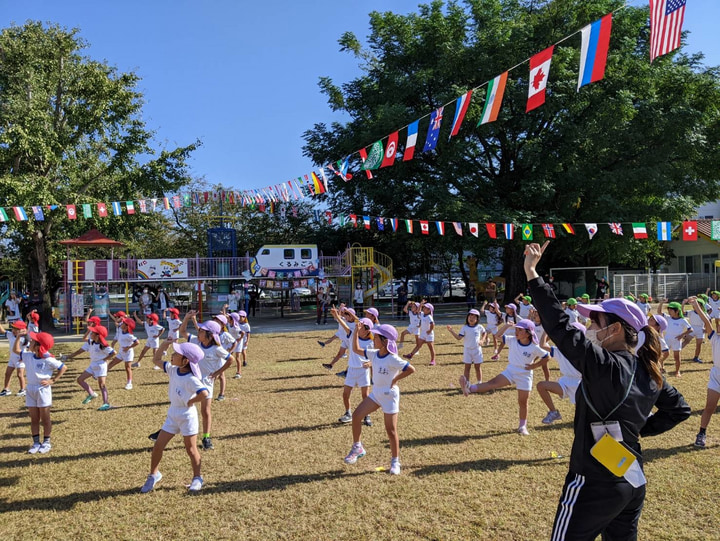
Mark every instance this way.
x=283 y=430
x=15 y=414
x=65 y=502
x=99 y=402
x=452 y=439
x=314 y=388
x=14 y=448
x=554 y=426
x=654 y=454
x=281 y=482
x=50 y=457
x=483 y=464
x=281 y=378
x=296 y=360
x=9 y=481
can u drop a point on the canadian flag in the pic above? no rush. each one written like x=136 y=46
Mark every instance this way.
x=690 y=230
x=539 y=73
x=102 y=210
x=424 y=227
x=71 y=212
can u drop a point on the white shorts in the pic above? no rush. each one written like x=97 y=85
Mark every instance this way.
x=181 y=421
x=126 y=356
x=387 y=399
x=210 y=385
x=674 y=344
x=97 y=370
x=521 y=378
x=698 y=331
x=38 y=396
x=569 y=386
x=663 y=345
x=474 y=356
x=413 y=329
x=357 y=377
x=341 y=334
x=714 y=382
x=153 y=343
x=491 y=329
x=427 y=336
x=16 y=363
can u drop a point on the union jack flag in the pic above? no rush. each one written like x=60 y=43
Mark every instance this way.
x=616 y=228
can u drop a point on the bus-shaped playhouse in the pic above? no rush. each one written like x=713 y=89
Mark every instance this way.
x=285 y=262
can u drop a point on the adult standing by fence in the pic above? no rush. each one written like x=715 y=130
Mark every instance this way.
x=402 y=298
x=614 y=404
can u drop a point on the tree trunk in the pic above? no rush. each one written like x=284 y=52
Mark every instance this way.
x=38 y=277
x=513 y=271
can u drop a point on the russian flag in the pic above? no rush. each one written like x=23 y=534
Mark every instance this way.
x=509 y=231
x=594 y=50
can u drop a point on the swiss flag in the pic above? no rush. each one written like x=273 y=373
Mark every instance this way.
x=539 y=73
x=71 y=212
x=424 y=227
x=491 y=230
x=102 y=210
x=390 y=150
x=690 y=231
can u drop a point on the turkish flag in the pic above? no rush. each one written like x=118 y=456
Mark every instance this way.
x=102 y=210
x=390 y=150
x=424 y=227
x=690 y=231
x=71 y=212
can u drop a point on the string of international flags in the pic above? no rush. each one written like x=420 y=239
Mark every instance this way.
x=666 y=20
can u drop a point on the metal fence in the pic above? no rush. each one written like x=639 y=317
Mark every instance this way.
x=671 y=286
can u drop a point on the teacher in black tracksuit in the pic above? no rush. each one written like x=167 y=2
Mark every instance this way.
x=618 y=392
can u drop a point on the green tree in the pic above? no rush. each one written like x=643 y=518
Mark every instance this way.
x=640 y=145
x=71 y=131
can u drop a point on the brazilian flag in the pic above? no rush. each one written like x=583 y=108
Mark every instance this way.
x=527 y=232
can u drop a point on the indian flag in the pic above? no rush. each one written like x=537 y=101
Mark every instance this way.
x=409 y=226
x=3 y=215
x=493 y=100
x=639 y=230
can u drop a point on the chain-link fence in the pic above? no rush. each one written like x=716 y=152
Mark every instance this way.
x=671 y=286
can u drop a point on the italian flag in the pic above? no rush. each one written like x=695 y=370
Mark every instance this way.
x=493 y=100
x=130 y=207
x=639 y=230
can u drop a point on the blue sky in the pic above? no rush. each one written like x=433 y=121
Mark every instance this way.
x=242 y=76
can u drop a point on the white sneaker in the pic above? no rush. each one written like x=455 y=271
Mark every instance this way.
x=523 y=431
x=395 y=466
x=135 y=365
x=464 y=386
x=128 y=387
x=21 y=392
x=196 y=484
x=156 y=367
x=45 y=447
x=34 y=449
x=551 y=417
x=150 y=482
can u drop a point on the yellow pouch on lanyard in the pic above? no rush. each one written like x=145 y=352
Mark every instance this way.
x=613 y=455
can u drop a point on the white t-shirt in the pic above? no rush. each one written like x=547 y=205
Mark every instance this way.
x=215 y=356
x=714 y=344
x=414 y=319
x=715 y=305
x=566 y=368
x=694 y=319
x=13 y=308
x=174 y=329
x=493 y=319
x=227 y=340
x=355 y=360
x=471 y=336
x=182 y=386
x=574 y=315
x=385 y=368
x=359 y=296
x=520 y=355
x=98 y=352
x=126 y=339
x=232 y=302
x=38 y=369
x=23 y=344
x=33 y=327
x=524 y=310
x=425 y=322
x=676 y=327
x=153 y=333
x=234 y=331
x=644 y=306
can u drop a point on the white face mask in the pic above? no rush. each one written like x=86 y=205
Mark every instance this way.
x=591 y=334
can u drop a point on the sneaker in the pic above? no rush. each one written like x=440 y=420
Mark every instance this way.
x=207 y=444
x=237 y=376
x=89 y=397
x=700 y=441
x=367 y=421
x=346 y=418
x=356 y=452
x=432 y=363
x=328 y=366
x=552 y=416
x=45 y=447
x=220 y=397
x=495 y=357
x=104 y=407
x=697 y=360
x=465 y=386
x=135 y=365
x=342 y=374
x=156 y=367
x=196 y=484
x=150 y=482
x=322 y=344
x=6 y=392
x=21 y=392
x=407 y=356
x=36 y=447
x=523 y=431
x=244 y=363
x=128 y=387
x=154 y=436
x=395 y=467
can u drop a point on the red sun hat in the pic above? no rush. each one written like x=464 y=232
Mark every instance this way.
x=101 y=333
x=35 y=316
x=130 y=323
x=94 y=320
x=19 y=325
x=45 y=341
x=153 y=317
x=120 y=313
x=174 y=311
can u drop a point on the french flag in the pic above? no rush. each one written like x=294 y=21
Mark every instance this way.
x=594 y=50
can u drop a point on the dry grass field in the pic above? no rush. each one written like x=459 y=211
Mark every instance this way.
x=277 y=470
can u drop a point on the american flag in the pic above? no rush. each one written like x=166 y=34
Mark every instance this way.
x=666 y=20
x=616 y=228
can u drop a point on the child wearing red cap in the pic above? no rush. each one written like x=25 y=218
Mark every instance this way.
x=153 y=331
x=33 y=320
x=15 y=362
x=117 y=318
x=126 y=351
x=174 y=324
x=100 y=352
x=40 y=367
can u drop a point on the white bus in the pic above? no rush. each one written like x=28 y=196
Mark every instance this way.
x=285 y=261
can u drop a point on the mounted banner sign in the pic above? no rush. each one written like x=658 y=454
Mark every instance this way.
x=162 y=269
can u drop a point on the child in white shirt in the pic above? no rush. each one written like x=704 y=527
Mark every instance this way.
x=471 y=334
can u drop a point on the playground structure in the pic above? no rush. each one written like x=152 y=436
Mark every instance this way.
x=203 y=283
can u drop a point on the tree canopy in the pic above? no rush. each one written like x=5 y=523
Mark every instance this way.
x=640 y=145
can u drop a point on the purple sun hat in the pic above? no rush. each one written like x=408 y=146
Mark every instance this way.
x=474 y=312
x=511 y=305
x=193 y=353
x=429 y=307
x=389 y=332
x=235 y=317
x=579 y=326
x=372 y=311
x=529 y=326
x=367 y=322
x=661 y=321
x=628 y=311
x=213 y=327
x=222 y=318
